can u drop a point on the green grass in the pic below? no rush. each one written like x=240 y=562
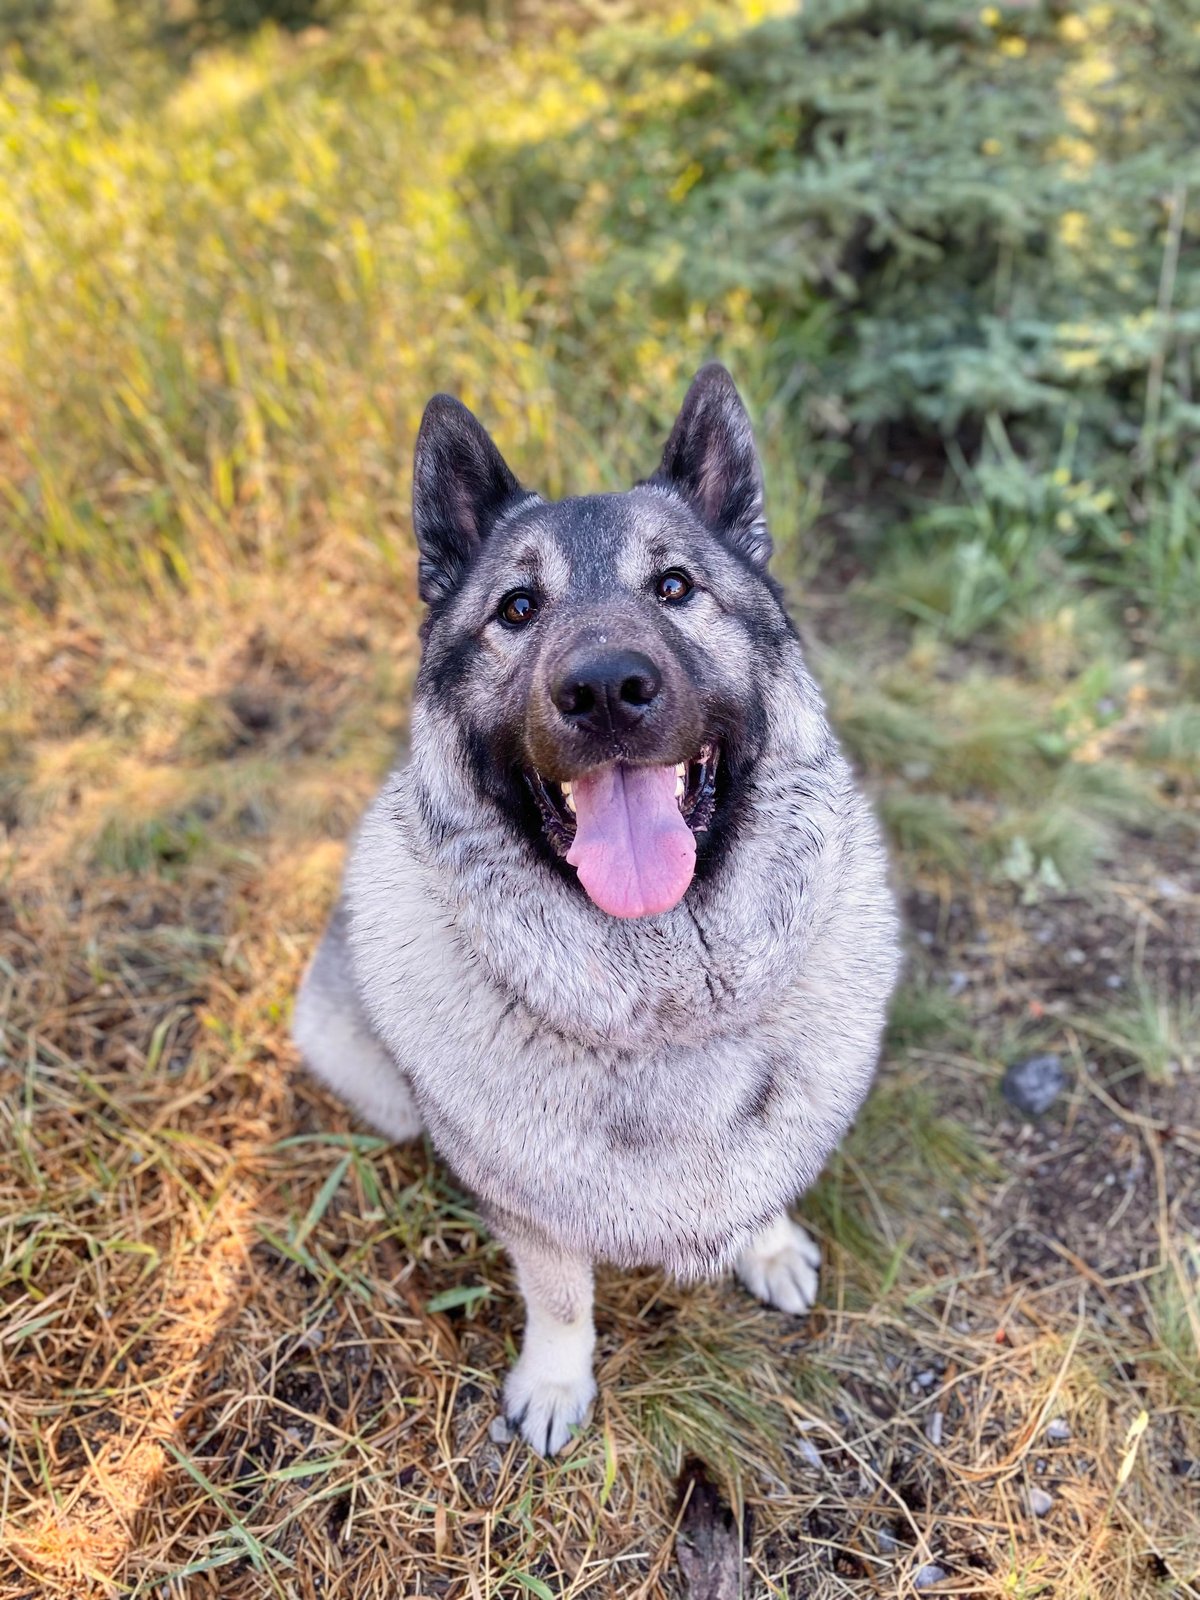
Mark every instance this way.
x=924 y=1014
x=1175 y=1312
x=1155 y=1032
x=1176 y=739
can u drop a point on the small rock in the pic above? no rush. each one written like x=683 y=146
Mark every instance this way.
x=933 y=1428
x=926 y=1379
x=1040 y=1502
x=887 y=1542
x=499 y=1432
x=928 y=1575
x=1034 y=1085
x=809 y=1454
x=958 y=982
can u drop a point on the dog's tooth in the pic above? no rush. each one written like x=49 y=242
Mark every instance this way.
x=680 y=788
x=568 y=798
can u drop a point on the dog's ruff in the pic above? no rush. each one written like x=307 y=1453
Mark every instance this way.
x=653 y=1090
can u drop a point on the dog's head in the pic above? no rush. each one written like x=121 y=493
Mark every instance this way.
x=607 y=659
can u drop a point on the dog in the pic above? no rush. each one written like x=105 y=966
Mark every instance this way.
x=618 y=933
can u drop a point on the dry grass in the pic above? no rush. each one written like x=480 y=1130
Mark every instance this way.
x=248 y=1349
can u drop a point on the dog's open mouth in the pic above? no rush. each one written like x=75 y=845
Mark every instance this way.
x=630 y=831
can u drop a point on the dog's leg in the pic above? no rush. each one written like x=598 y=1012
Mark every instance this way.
x=551 y=1388
x=780 y=1266
x=336 y=1041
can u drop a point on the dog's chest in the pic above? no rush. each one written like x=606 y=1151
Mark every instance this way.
x=660 y=1156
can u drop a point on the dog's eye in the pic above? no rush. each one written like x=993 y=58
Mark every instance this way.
x=517 y=608
x=673 y=586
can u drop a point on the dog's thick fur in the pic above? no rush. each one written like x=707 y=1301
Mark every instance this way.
x=646 y=1090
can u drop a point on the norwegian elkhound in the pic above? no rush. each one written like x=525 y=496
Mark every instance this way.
x=618 y=931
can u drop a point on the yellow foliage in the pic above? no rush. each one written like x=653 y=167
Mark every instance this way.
x=219 y=83
x=687 y=180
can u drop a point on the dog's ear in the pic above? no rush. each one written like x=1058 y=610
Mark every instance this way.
x=461 y=484
x=710 y=459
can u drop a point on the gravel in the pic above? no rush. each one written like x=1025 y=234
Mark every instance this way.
x=1033 y=1085
x=1040 y=1502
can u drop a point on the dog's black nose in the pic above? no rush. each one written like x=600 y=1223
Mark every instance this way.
x=607 y=692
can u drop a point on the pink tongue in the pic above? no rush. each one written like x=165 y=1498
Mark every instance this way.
x=633 y=851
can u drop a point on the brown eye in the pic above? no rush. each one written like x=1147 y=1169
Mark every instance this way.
x=673 y=586
x=517 y=608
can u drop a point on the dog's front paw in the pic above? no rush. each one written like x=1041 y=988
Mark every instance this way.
x=780 y=1267
x=544 y=1405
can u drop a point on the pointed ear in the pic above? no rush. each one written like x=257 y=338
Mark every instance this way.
x=461 y=484
x=711 y=461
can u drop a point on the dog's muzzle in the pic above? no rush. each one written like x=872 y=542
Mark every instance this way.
x=630 y=830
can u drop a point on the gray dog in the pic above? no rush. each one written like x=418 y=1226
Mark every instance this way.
x=618 y=933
